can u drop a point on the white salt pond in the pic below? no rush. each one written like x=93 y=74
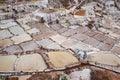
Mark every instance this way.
x=7 y=63
x=102 y=58
x=31 y=62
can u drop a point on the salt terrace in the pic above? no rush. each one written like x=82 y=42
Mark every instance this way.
x=38 y=37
